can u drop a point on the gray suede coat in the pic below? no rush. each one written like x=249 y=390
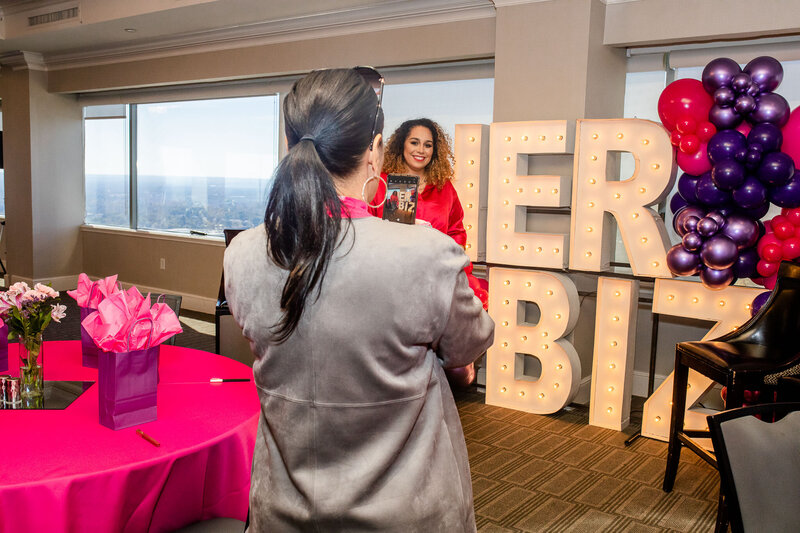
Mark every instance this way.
x=358 y=428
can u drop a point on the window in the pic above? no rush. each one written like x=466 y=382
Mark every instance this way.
x=200 y=166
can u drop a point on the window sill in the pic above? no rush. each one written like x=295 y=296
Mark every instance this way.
x=156 y=235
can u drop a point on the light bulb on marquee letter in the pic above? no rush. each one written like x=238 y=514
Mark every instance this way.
x=507 y=385
x=643 y=231
x=512 y=190
x=471 y=150
x=614 y=344
x=691 y=299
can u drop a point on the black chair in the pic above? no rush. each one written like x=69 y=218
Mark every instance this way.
x=174 y=303
x=752 y=357
x=788 y=389
x=221 y=308
x=759 y=465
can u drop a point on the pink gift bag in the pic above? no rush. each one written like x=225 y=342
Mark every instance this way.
x=89 y=350
x=127 y=384
x=3 y=348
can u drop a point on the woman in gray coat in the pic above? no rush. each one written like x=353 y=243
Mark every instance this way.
x=351 y=319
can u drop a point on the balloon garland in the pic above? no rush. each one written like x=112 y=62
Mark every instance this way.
x=738 y=145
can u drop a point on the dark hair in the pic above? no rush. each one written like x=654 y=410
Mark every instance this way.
x=329 y=116
x=439 y=170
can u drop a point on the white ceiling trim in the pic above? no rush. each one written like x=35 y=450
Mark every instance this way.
x=362 y=20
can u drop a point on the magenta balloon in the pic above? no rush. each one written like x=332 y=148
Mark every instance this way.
x=743 y=231
x=696 y=163
x=776 y=168
x=724 y=118
x=787 y=195
x=745 y=266
x=717 y=279
x=725 y=144
x=759 y=301
x=750 y=194
x=772 y=108
x=728 y=174
x=791 y=137
x=766 y=135
x=681 y=262
x=719 y=252
x=766 y=72
x=709 y=194
x=719 y=73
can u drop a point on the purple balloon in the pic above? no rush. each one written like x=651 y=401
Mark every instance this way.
x=753 y=159
x=741 y=82
x=776 y=168
x=766 y=72
x=687 y=187
x=741 y=230
x=759 y=301
x=719 y=73
x=718 y=217
x=724 y=96
x=681 y=262
x=724 y=118
x=728 y=174
x=717 y=279
x=676 y=203
x=707 y=226
x=692 y=241
x=690 y=211
x=787 y=195
x=719 y=252
x=772 y=108
x=725 y=144
x=709 y=194
x=753 y=90
x=745 y=266
x=766 y=135
x=751 y=194
x=756 y=213
x=744 y=104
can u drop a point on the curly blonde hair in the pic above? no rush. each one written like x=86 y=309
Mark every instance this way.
x=440 y=170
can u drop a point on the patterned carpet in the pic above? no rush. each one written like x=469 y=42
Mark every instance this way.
x=553 y=473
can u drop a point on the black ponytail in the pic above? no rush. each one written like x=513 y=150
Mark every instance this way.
x=329 y=116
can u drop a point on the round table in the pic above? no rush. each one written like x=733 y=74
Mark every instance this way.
x=62 y=471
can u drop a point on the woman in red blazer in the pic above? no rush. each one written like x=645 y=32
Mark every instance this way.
x=421 y=148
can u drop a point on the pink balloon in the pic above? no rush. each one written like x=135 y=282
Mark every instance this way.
x=769 y=282
x=792 y=215
x=744 y=128
x=791 y=137
x=684 y=99
x=791 y=248
x=768 y=238
x=696 y=163
x=767 y=268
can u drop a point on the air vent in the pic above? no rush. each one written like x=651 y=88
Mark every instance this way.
x=55 y=16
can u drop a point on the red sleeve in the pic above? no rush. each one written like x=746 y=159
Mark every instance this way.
x=455 y=219
x=380 y=196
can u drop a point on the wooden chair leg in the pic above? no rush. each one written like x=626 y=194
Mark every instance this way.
x=722 y=515
x=680 y=380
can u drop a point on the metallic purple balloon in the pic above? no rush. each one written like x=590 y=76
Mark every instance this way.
x=741 y=82
x=724 y=96
x=744 y=104
x=717 y=217
x=728 y=174
x=719 y=252
x=690 y=224
x=717 y=279
x=709 y=194
x=767 y=135
x=690 y=211
x=707 y=226
x=681 y=262
x=692 y=241
x=741 y=230
x=787 y=195
x=766 y=72
x=776 y=168
x=753 y=90
x=724 y=118
x=687 y=187
x=772 y=108
x=751 y=194
x=759 y=301
x=676 y=203
x=719 y=73
x=725 y=144
x=745 y=266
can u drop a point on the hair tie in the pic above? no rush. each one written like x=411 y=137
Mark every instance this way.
x=309 y=138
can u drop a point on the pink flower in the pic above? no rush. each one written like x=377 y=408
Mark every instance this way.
x=59 y=311
x=32 y=296
x=18 y=288
x=46 y=290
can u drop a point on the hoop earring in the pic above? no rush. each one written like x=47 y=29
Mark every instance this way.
x=364 y=188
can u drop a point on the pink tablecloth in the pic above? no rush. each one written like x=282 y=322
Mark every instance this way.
x=61 y=471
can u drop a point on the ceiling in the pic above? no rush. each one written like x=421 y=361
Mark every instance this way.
x=63 y=31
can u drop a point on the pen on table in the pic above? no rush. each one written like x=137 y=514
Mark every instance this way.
x=148 y=438
x=227 y=380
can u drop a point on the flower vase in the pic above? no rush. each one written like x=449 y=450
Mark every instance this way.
x=31 y=371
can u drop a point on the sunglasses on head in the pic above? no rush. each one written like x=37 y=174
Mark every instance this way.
x=375 y=80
